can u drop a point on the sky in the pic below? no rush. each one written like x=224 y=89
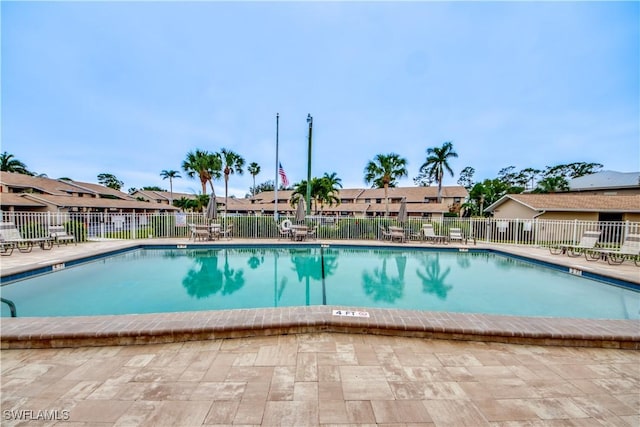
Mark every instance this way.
x=129 y=88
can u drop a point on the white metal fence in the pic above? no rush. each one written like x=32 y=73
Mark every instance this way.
x=92 y=226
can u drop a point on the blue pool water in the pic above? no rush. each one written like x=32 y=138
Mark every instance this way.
x=171 y=280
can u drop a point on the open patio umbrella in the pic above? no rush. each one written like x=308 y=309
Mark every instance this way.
x=402 y=213
x=212 y=209
x=300 y=211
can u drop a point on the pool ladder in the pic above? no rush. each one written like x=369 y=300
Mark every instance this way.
x=12 y=306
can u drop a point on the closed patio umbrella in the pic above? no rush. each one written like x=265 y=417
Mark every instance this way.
x=300 y=211
x=212 y=209
x=402 y=213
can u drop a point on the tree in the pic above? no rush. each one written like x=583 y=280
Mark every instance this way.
x=329 y=185
x=466 y=177
x=232 y=163
x=572 y=170
x=110 y=181
x=384 y=171
x=527 y=177
x=8 y=163
x=552 y=184
x=323 y=191
x=207 y=166
x=153 y=188
x=437 y=162
x=253 y=169
x=484 y=194
x=423 y=180
x=171 y=174
x=265 y=186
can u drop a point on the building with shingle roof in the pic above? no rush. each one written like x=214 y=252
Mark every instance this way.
x=420 y=201
x=19 y=192
x=568 y=206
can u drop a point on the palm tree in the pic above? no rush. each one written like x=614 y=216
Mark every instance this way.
x=8 y=163
x=170 y=174
x=207 y=166
x=384 y=171
x=329 y=184
x=437 y=162
x=231 y=162
x=253 y=169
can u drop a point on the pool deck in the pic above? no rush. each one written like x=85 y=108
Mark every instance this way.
x=211 y=325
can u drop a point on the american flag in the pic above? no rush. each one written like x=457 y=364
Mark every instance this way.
x=283 y=176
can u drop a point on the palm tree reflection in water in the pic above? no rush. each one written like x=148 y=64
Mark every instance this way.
x=433 y=278
x=307 y=263
x=208 y=279
x=380 y=285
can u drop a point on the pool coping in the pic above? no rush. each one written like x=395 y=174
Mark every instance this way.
x=54 y=332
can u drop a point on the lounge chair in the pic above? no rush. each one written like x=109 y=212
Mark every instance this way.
x=6 y=248
x=9 y=234
x=59 y=235
x=456 y=234
x=630 y=250
x=589 y=240
x=427 y=233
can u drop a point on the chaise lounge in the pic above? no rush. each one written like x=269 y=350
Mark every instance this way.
x=10 y=234
x=59 y=235
x=589 y=240
x=630 y=250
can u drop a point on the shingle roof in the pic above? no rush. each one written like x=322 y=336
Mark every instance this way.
x=18 y=199
x=573 y=202
x=96 y=202
x=45 y=185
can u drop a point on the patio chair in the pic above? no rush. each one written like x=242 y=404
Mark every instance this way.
x=630 y=250
x=397 y=233
x=384 y=233
x=589 y=240
x=201 y=232
x=312 y=233
x=285 y=229
x=456 y=234
x=227 y=232
x=59 y=235
x=9 y=234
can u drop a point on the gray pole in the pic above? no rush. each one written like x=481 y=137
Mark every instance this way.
x=310 y=121
x=275 y=210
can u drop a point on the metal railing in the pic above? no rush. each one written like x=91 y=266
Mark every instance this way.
x=102 y=226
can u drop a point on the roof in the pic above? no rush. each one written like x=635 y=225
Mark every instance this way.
x=605 y=180
x=573 y=202
x=415 y=194
x=44 y=185
x=95 y=202
x=18 y=199
x=412 y=194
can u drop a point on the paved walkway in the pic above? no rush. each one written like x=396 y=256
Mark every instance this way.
x=318 y=379
x=323 y=379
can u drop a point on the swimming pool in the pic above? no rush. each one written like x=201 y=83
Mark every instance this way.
x=153 y=280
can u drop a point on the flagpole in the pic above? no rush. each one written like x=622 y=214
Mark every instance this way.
x=275 y=211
